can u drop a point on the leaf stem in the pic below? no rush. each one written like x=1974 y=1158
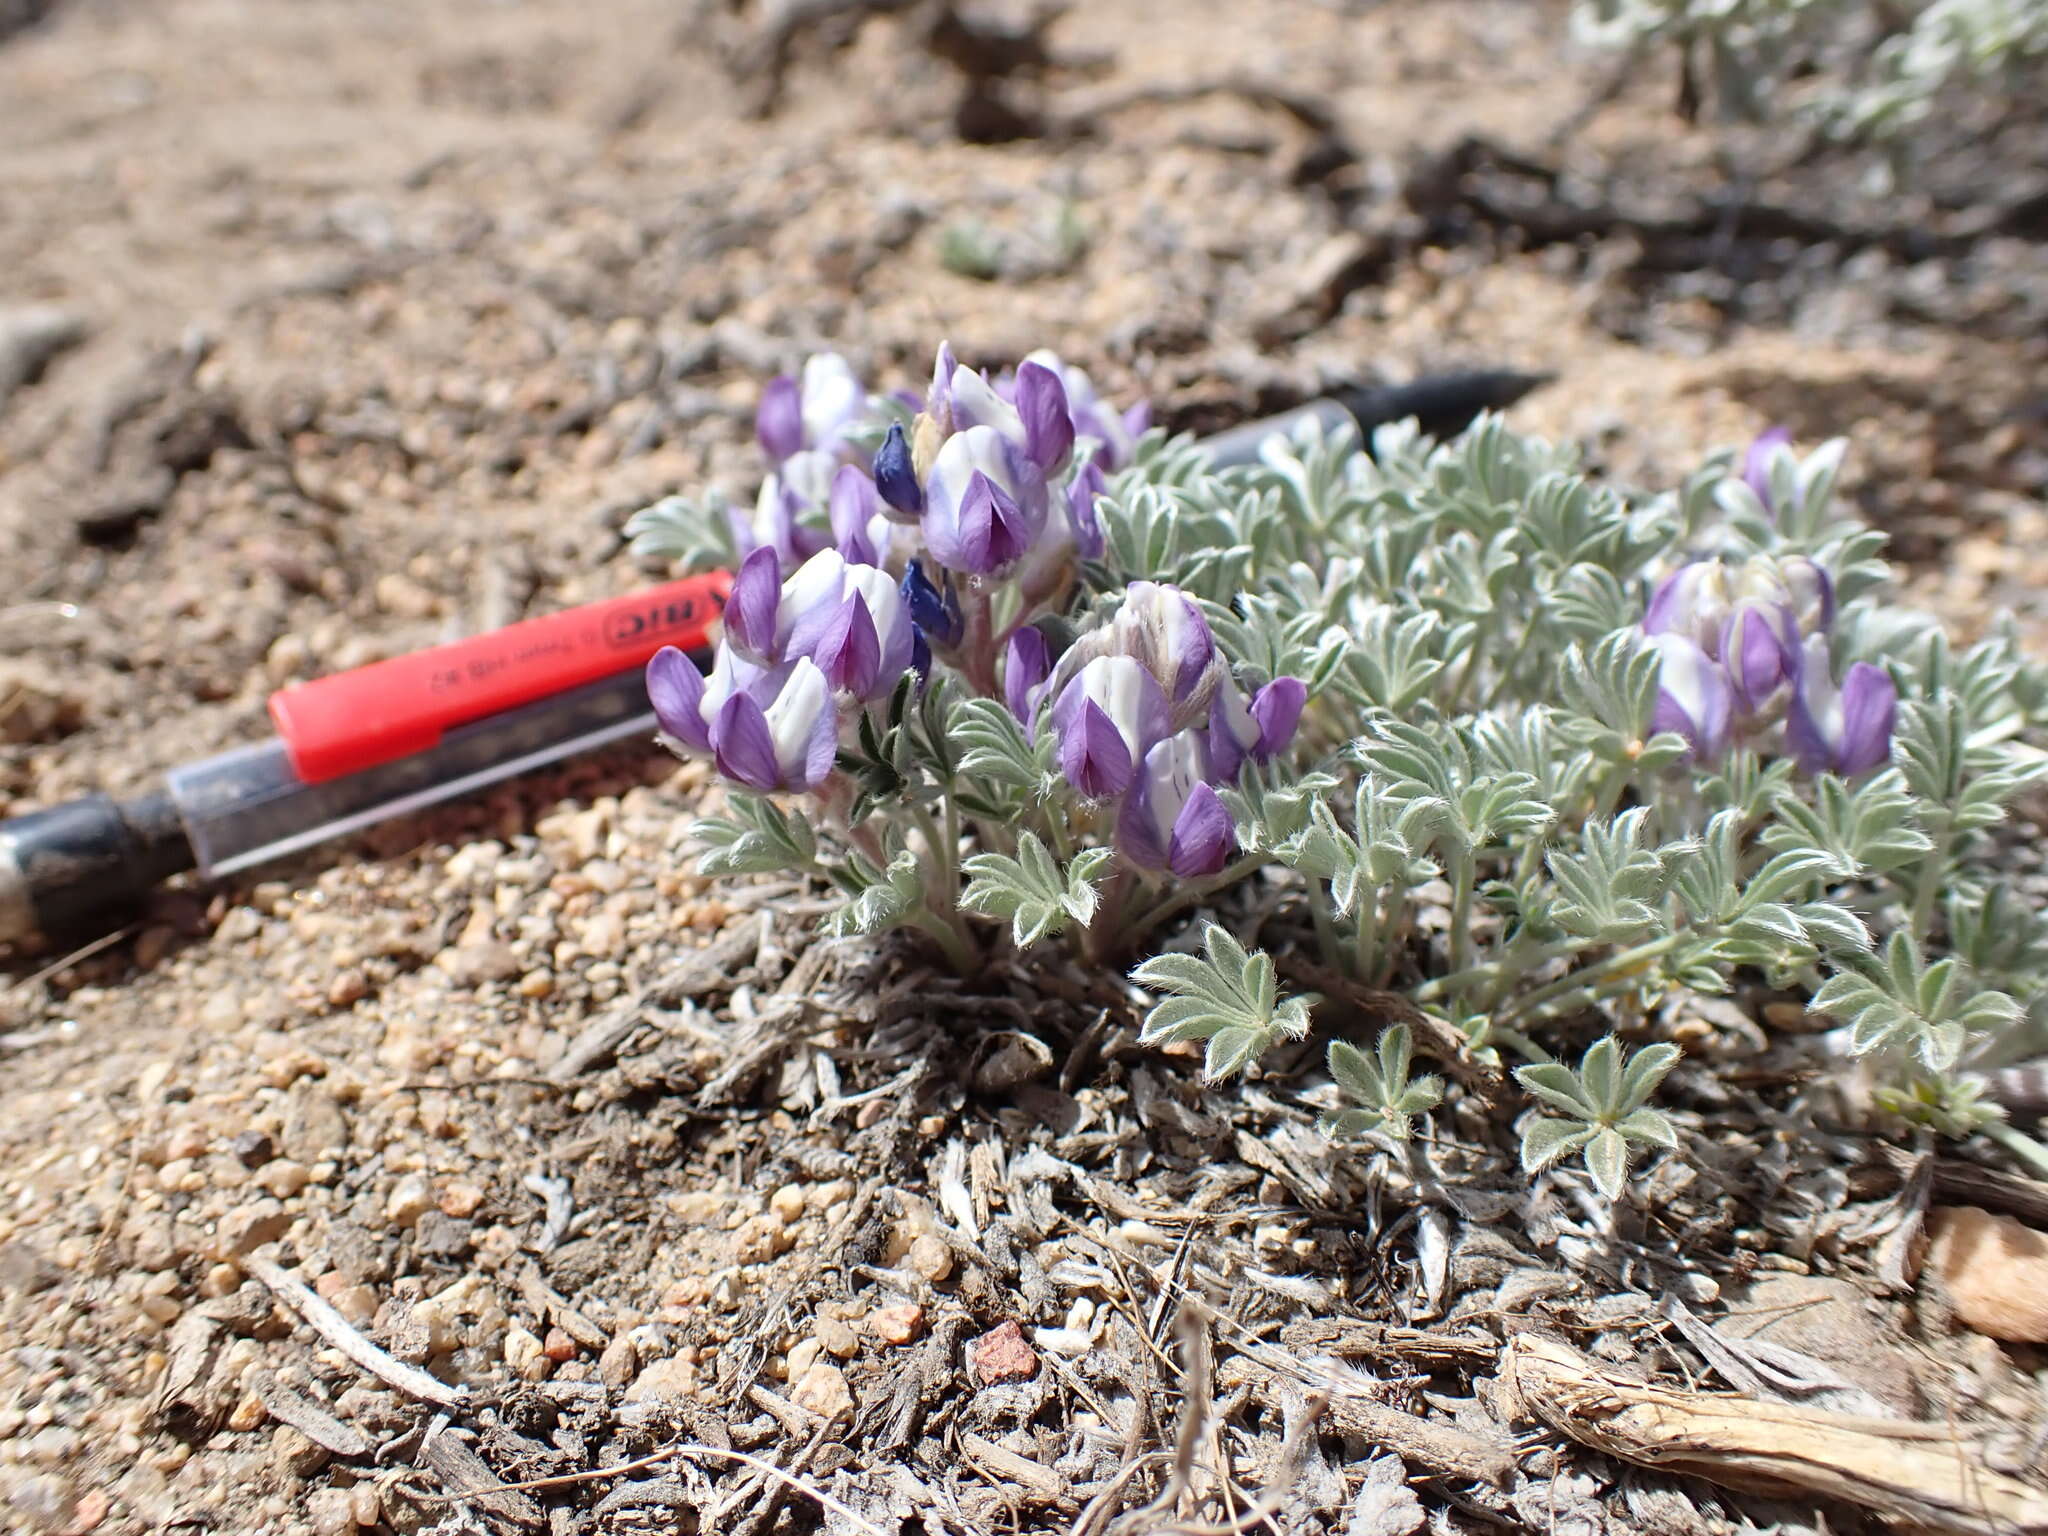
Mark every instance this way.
x=1192 y=894
x=1566 y=989
x=1464 y=874
x=2020 y=1145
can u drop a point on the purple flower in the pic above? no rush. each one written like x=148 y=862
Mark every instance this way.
x=752 y=607
x=985 y=504
x=1693 y=697
x=1027 y=663
x=896 y=475
x=1048 y=430
x=768 y=728
x=1107 y=718
x=1172 y=818
x=1809 y=594
x=1115 y=436
x=935 y=612
x=815 y=414
x=1692 y=601
x=779 y=419
x=1081 y=493
x=788 y=744
x=1845 y=730
x=1163 y=628
x=860 y=530
x=676 y=689
x=1756 y=655
x=1256 y=731
x=787 y=498
x=1756 y=464
x=851 y=620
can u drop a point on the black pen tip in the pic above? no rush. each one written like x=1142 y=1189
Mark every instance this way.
x=1444 y=404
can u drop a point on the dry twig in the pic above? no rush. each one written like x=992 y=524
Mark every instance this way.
x=1917 y=1474
x=338 y=1331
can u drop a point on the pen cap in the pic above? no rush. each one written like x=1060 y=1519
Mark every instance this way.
x=356 y=720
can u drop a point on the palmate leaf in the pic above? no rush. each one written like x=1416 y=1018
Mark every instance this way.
x=1223 y=996
x=1030 y=889
x=757 y=839
x=1379 y=1083
x=1610 y=883
x=1604 y=1108
x=1897 y=1001
x=886 y=899
x=1865 y=828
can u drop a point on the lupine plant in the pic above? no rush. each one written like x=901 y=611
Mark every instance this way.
x=1450 y=719
x=1888 y=63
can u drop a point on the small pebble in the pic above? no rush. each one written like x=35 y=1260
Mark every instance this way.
x=524 y=1356
x=931 y=1258
x=1002 y=1354
x=283 y=1177
x=248 y=1414
x=1995 y=1272
x=787 y=1202
x=896 y=1325
x=823 y=1390
x=253 y=1148
x=408 y=1201
x=619 y=1363
x=460 y=1199
x=672 y=1380
x=836 y=1339
x=559 y=1347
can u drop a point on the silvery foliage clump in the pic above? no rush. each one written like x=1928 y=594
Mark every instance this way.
x=1888 y=64
x=1545 y=757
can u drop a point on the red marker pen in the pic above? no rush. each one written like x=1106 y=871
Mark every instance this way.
x=358 y=748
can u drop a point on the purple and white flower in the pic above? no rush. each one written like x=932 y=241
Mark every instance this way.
x=1107 y=718
x=850 y=619
x=1845 y=730
x=861 y=529
x=767 y=728
x=1172 y=818
x=1256 y=731
x=814 y=414
x=1027 y=668
x=1694 y=697
x=1115 y=434
x=1756 y=463
x=985 y=503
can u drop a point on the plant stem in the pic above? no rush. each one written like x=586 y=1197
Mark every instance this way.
x=1325 y=924
x=1365 y=939
x=959 y=950
x=1192 y=895
x=1463 y=875
x=1927 y=884
x=1588 y=979
x=1510 y=666
x=2020 y=1145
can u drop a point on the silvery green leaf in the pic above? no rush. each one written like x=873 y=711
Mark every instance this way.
x=1546 y=1141
x=1649 y=1125
x=1030 y=889
x=1222 y=991
x=756 y=839
x=1606 y=1158
x=994 y=748
x=696 y=534
x=1870 y=827
x=1644 y=1071
x=1609 y=884
x=1600 y=1075
x=1558 y=1086
x=884 y=903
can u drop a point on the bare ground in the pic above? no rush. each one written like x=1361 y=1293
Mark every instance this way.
x=390 y=316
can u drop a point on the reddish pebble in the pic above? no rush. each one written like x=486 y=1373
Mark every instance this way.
x=558 y=1347
x=1002 y=1355
x=91 y=1509
x=896 y=1325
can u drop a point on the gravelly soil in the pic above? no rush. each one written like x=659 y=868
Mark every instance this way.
x=391 y=315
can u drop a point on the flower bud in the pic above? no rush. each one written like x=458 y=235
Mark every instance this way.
x=896 y=477
x=1027 y=663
